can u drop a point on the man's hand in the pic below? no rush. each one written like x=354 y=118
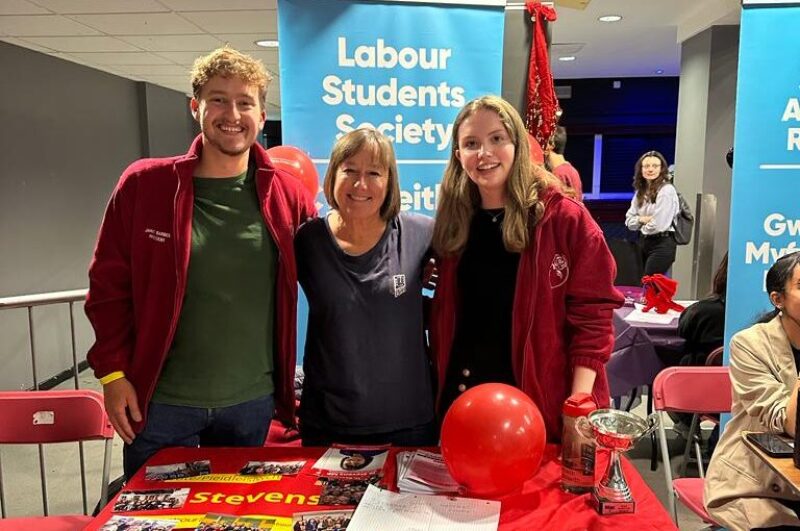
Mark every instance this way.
x=120 y=399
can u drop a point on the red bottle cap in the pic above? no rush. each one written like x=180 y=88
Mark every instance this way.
x=579 y=405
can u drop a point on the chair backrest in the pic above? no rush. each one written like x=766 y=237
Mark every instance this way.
x=714 y=357
x=52 y=416
x=693 y=390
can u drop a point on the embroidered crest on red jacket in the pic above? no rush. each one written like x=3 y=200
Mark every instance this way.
x=559 y=270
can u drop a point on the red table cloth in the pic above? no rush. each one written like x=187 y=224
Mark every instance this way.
x=539 y=505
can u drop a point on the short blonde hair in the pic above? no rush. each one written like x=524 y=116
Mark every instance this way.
x=382 y=154
x=227 y=62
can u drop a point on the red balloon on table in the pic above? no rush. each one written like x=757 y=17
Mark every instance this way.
x=295 y=162
x=493 y=438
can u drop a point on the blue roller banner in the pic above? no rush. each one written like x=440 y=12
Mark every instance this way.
x=765 y=197
x=405 y=68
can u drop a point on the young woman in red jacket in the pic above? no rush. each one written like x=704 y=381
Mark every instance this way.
x=525 y=292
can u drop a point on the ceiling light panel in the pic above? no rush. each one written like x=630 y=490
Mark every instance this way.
x=216 y=5
x=70 y=7
x=246 y=42
x=20 y=7
x=175 y=43
x=42 y=26
x=262 y=21
x=83 y=44
x=139 y=24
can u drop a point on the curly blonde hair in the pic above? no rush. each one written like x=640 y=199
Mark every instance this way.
x=459 y=196
x=227 y=62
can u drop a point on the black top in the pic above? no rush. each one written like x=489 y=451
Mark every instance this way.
x=702 y=325
x=487 y=277
x=366 y=368
x=796 y=352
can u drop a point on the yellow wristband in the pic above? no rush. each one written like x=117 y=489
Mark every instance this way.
x=110 y=377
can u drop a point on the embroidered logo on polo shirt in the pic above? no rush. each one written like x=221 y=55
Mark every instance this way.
x=399 y=282
x=157 y=235
x=559 y=270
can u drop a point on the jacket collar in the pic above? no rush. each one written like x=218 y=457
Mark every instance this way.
x=778 y=342
x=190 y=159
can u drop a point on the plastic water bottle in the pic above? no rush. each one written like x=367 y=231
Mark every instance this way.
x=577 y=450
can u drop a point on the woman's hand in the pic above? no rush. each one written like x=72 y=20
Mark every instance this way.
x=644 y=220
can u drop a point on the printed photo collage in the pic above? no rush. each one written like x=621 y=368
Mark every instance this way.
x=343 y=474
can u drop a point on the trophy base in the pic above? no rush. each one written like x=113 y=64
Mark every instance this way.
x=605 y=507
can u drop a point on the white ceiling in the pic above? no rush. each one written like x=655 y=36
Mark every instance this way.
x=646 y=40
x=157 y=40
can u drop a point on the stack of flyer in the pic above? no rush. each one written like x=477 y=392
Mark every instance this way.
x=397 y=511
x=422 y=472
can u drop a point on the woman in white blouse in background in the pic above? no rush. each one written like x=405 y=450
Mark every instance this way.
x=652 y=212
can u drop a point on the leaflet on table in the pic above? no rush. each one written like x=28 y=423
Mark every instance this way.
x=201 y=472
x=392 y=511
x=424 y=472
x=651 y=317
x=322 y=520
x=188 y=469
x=232 y=522
x=139 y=523
x=352 y=461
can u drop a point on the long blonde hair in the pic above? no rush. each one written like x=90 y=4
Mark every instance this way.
x=459 y=196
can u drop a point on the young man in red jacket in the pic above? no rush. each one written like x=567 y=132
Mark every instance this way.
x=193 y=284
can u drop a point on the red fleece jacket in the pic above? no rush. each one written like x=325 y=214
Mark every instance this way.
x=562 y=315
x=137 y=277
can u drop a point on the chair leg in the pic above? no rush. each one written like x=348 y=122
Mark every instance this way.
x=662 y=436
x=699 y=455
x=631 y=399
x=106 y=472
x=653 y=442
x=687 y=451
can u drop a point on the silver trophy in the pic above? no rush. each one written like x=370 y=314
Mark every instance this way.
x=617 y=431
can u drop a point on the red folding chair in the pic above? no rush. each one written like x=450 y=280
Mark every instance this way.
x=52 y=417
x=698 y=390
x=693 y=439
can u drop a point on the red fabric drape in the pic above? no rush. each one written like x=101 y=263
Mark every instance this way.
x=542 y=104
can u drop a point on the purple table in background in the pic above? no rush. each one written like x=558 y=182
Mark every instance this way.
x=634 y=361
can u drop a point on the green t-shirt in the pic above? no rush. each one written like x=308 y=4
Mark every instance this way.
x=222 y=351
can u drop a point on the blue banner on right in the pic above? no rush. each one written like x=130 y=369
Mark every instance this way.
x=765 y=196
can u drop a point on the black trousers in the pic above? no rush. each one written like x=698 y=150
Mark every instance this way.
x=424 y=435
x=658 y=253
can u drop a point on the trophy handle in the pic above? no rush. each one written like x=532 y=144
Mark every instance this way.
x=584 y=427
x=652 y=421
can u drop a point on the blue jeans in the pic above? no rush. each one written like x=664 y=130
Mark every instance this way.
x=244 y=424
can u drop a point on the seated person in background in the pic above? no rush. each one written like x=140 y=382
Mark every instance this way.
x=741 y=491
x=702 y=324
